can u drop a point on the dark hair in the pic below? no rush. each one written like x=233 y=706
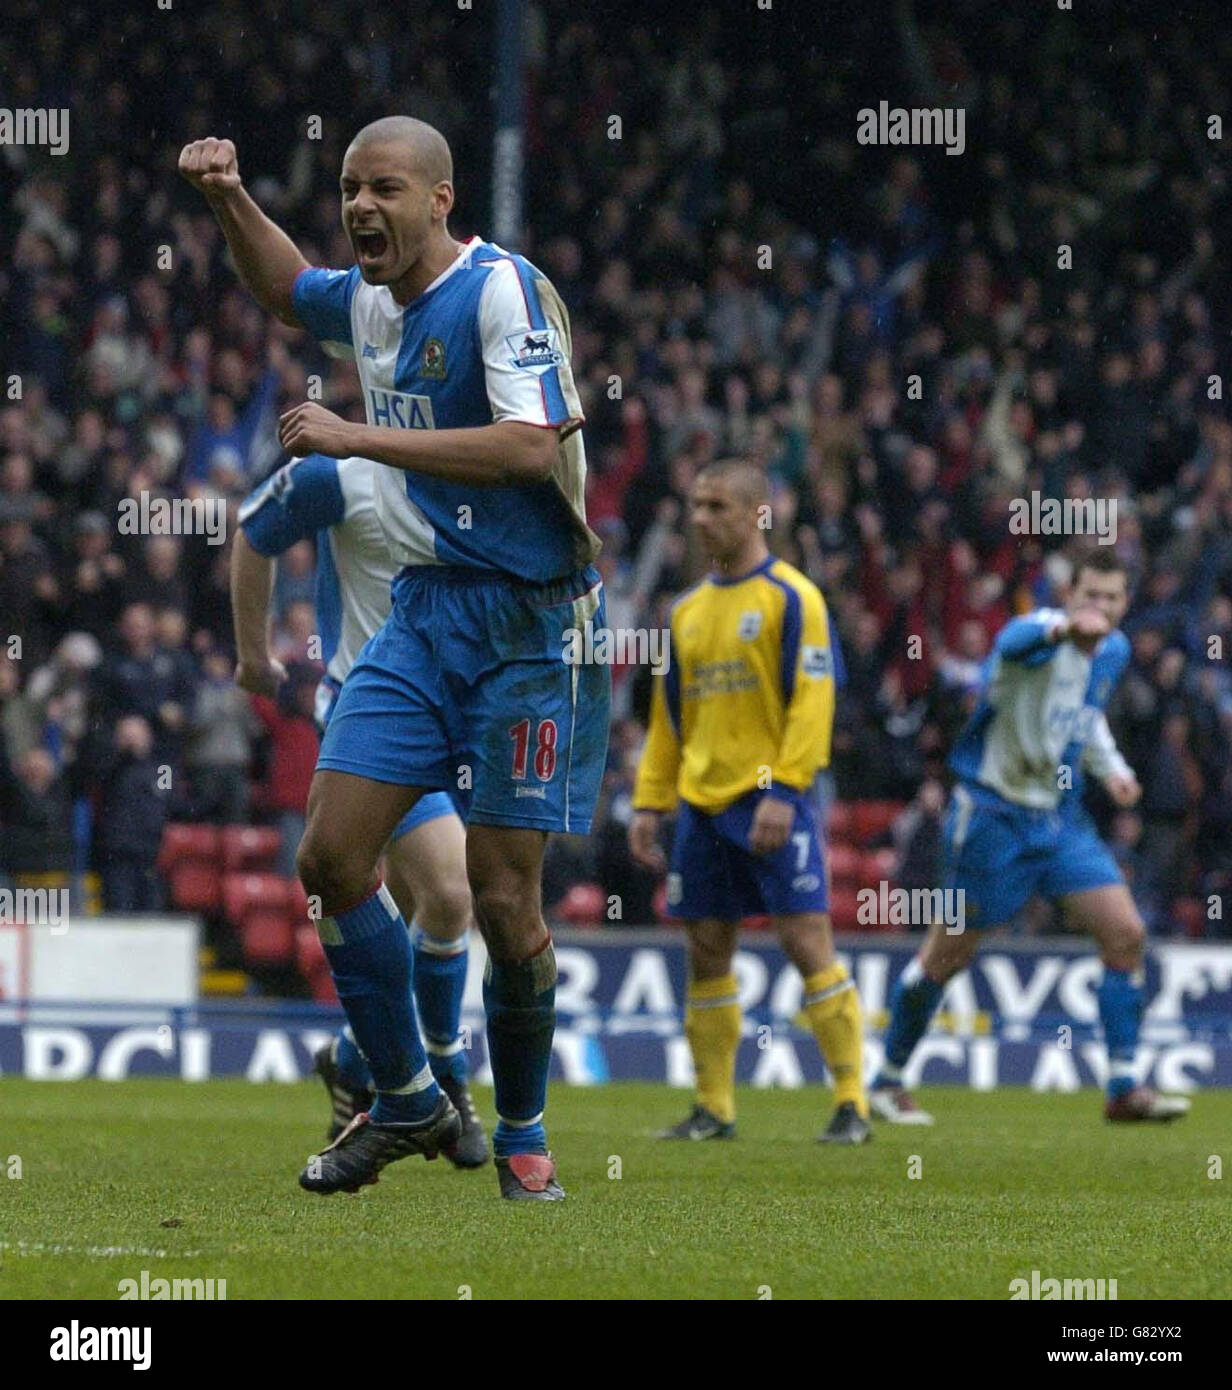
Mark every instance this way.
x=1103 y=559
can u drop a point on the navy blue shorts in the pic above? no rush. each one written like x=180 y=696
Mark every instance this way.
x=466 y=689
x=714 y=873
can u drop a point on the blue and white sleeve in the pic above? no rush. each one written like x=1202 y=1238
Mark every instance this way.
x=1027 y=639
x=1109 y=664
x=526 y=343
x=322 y=303
x=301 y=498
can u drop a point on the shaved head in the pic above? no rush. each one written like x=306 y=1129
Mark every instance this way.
x=745 y=479
x=429 y=150
x=729 y=508
x=397 y=193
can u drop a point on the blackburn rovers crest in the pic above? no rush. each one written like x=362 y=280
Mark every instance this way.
x=433 y=360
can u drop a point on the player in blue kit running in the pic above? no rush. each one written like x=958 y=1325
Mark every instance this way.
x=1016 y=827
x=332 y=500
x=463 y=353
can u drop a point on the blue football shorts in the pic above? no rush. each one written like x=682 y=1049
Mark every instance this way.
x=466 y=689
x=1001 y=854
x=430 y=806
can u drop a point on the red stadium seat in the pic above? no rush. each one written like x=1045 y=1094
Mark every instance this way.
x=181 y=843
x=844 y=866
x=584 y=905
x=312 y=965
x=268 y=938
x=297 y=901
x=877 y=865
x=322 y=986
x=258 y=906
x=195 y=885
x=872 y=818
x=309 y=954
x=839 y=823
x=1191 y=916
x=243 y=894
x=843 y=905
x=251 y=847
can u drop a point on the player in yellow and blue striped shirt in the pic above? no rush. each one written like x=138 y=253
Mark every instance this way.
x=740 y=724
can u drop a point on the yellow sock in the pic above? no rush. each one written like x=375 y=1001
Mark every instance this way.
x=833 y=1009
x=712 y=1026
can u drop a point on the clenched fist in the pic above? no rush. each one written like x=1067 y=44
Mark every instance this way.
x=1124 y=791
x=210 y=165
x=1086 y=629
x=261 y=676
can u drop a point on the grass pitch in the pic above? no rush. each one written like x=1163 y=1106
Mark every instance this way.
x=198 y=1181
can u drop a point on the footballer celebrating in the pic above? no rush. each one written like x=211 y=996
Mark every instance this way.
x=333 y=501
x=463 y=352
x=740 y=724
x=1016 y=827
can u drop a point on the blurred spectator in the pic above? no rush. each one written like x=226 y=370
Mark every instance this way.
x=142 y=679
x=35 y=810
x=60 y=692
x=221 y=728
x=917 y=838
x=92 y=577
x=131 y=810
x=293 y=755
x=21 y=719
x=157 y=577
x=28 y=590
x=1171 y=787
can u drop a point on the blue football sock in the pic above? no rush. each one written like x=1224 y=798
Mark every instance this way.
x=912 y=1006
x=369 y=953
x=350 y=1061
x=520 y=1000
x=440 y=978
x=1120 y=1011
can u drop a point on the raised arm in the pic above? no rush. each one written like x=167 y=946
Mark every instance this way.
x=266 y=258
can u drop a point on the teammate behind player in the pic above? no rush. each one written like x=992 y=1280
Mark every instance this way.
x=739 y=725
x=1014 y=830
x=332 y=501
x=463 y=354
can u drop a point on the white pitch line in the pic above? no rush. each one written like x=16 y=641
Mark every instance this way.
x=38 y=1247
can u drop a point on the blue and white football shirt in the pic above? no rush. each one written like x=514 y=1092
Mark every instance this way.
x=1042 y=708
x=333 y=500
x=488 y=341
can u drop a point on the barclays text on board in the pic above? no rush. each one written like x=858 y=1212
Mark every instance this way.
x=1023 y=1015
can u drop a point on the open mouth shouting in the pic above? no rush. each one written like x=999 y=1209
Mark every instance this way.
x=371 y=247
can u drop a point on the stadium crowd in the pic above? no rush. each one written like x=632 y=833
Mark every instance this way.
x=743 y=278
